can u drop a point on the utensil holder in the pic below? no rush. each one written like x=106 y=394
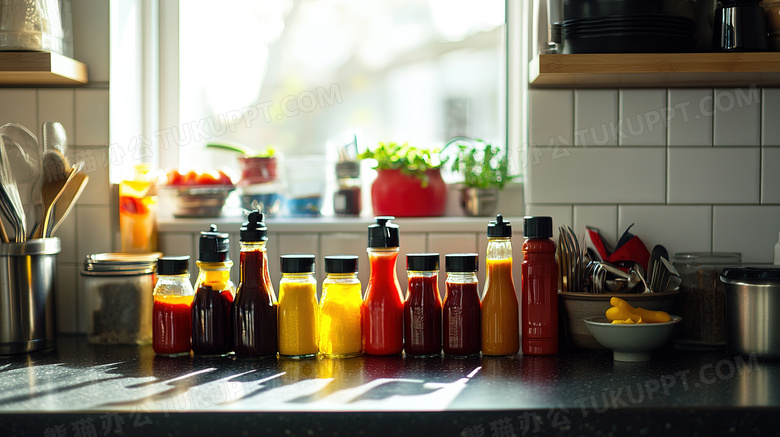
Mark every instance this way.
x=27 y=295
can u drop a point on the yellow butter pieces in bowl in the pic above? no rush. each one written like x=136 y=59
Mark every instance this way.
x=622 y=313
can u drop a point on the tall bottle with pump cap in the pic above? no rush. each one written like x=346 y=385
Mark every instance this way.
x=254 y=313
x=382 y=310
x=211 y=328
x=539 y=293
x=500 y=312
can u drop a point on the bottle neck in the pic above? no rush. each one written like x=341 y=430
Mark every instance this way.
x=252 y=246
x=422 y=273
x=462 y=277
x=298 y=278
x=215 y=274
x=382 y=264
x=499 y=248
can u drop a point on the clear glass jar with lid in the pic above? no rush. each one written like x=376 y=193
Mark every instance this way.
x=702 y=300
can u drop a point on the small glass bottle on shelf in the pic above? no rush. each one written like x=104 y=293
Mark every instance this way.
x=298 y=307
x=172 y=318
x=340 y=327
x=211 y=328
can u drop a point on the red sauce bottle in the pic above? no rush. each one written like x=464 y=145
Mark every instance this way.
x=461 y=310
x=254 y=312
x=539 y=295
x=212 y=332
x=171 y=318
x=422 y=309
x=382 y=310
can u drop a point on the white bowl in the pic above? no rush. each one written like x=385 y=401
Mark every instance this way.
x=630 y=343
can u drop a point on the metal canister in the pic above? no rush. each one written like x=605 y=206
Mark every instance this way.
x=702 y=301
x=27 y=295
x=752 y=309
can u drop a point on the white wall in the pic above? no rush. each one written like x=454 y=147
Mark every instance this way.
x=692 y=169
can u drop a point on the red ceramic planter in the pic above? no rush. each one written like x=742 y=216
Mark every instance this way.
x=396 y=194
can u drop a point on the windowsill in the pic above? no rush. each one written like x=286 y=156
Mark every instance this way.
x=510 y=206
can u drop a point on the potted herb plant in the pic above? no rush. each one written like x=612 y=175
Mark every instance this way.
x=408 y=182
x=485 y=170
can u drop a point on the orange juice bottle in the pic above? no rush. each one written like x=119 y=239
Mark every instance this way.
x=138 y=212
x=500 y=312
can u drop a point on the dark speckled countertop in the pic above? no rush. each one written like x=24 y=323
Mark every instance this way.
x=82 y=390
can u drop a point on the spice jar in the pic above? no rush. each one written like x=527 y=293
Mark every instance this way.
x=422 y=308
x=339 y=329
x=118 y=289
x=298 y=307
x=702 y=301
x=172 y=319
x=347 y=198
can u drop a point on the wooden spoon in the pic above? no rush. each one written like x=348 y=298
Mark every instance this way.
x=65 y=201
x=56 y=171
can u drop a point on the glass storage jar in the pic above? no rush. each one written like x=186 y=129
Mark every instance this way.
x=702 y=301
x=119 y=288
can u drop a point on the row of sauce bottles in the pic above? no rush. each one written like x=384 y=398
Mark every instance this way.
x=215 y=319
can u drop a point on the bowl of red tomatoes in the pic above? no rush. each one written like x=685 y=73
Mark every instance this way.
x=197 y=194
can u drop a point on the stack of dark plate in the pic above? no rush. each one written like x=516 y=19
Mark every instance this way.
x=627 y=26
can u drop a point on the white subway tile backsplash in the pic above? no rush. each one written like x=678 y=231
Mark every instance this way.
x=770 y=175
x=91 y=118
x=643 y=116
x=750 y=230
x=93 y=229
x=68 y=238
x=97 y=191
x=561 y=216
x=65 y=298
x=714 y=175
x=678 y=228
x=596 y=175
x=57 y=105
x=737 y=119
x=690 y=117
x=601 y=217
x=19 y=106
x=551 y=117
x=595 y=118
x=770 y=114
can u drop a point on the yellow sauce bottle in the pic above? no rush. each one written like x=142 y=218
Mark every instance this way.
x=298 y=307
x=500 y=310
x=340 y=334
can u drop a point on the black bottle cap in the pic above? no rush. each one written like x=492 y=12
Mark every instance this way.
x=383 y=233
x=537 y=227
x=422 y=262
x=341 y=264
x=254 y=228
x=298 y=263
x=498 y=228
x=461 y=262
x=173 y=265
x=214 y=246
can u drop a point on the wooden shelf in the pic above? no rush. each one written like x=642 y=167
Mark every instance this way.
x=649 y=70
x=40 y=68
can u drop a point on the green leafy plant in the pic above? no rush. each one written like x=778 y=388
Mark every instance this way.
x=410 y=160
x=481 y=164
